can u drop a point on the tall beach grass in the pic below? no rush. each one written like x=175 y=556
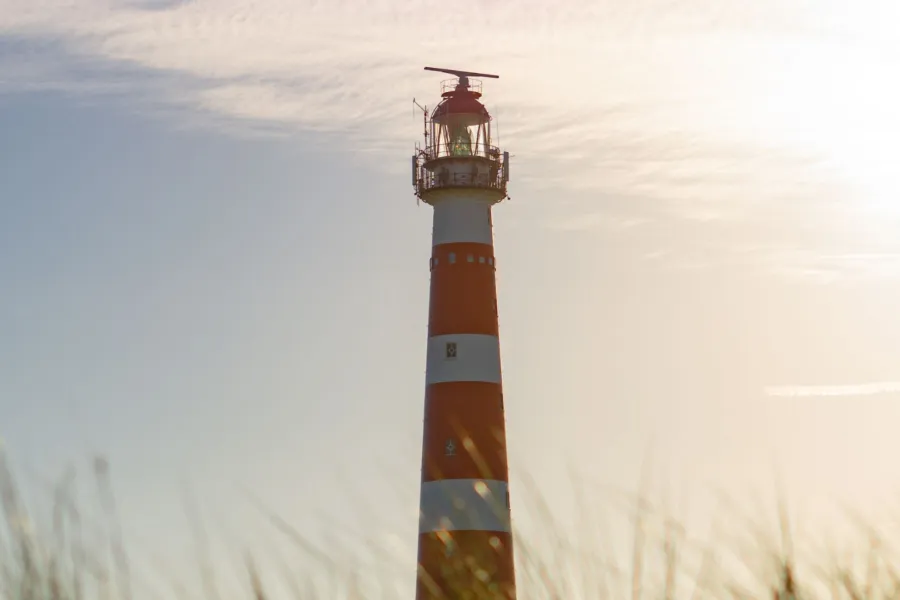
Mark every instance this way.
x=71 y=557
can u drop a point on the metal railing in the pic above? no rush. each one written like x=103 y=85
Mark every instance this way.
x=462 y=150
x=488 y=172
x=431 y=181
x=449 y=85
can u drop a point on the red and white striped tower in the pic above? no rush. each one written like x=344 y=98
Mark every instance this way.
x=465 y=540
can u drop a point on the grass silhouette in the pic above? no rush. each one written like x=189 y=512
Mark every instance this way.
x=666 y=563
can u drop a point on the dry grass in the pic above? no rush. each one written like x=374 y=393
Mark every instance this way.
x=666 y=564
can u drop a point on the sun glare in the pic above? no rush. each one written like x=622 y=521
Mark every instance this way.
x=831 y=100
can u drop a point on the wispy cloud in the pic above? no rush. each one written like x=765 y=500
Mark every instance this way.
x=344 y=64
x=857 y=389
x=690 y=108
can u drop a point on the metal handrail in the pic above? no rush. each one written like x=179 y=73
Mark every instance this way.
x=449 y=85
x=431 y=181
x=458 y=150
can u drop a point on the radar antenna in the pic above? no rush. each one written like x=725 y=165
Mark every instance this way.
x=463 y=75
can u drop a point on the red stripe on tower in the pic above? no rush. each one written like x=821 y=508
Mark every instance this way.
x=465 y=539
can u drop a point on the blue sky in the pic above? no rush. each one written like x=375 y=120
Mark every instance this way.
x=214 y=268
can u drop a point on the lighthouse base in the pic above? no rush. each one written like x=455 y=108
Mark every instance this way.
x=473 y=565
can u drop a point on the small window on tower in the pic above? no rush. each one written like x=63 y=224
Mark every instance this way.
x=451 y=258
x=470 y=258
x=481 y=260
x=449 y=448
x=450 y=350
x=490 y=260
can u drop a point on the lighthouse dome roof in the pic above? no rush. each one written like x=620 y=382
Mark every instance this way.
x=460 y=102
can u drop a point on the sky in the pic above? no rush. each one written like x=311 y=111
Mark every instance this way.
x=214 y=270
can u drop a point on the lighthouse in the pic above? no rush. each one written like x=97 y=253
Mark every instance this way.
x=465 y=545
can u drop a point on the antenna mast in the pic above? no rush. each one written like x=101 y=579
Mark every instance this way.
x=424 y=119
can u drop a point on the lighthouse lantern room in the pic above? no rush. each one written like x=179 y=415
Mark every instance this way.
x=458 y=151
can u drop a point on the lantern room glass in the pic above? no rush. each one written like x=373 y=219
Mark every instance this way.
x=462 y=134
x=459 y=139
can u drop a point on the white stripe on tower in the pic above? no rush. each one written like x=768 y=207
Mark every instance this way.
x=476 y=358
x=461 y=220
x=464 y=504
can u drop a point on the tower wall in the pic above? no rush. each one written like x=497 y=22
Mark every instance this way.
x=465 y=541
